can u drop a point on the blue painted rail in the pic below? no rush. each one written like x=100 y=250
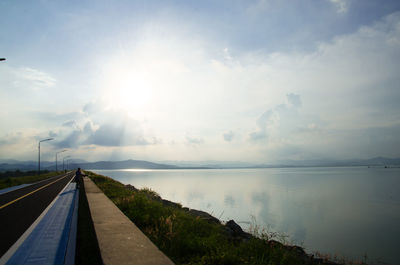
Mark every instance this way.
x=53 y=239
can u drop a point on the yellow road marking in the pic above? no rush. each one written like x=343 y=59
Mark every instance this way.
x=11 y=202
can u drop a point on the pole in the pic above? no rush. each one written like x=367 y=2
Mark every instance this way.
x=44 y=140
x=63 y=161
x=57 y=159
x=39 y=160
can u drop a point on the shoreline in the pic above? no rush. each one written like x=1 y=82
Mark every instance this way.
x=230 y=233
x=235 y=231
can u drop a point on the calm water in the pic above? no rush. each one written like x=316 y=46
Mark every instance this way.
x=345 y=211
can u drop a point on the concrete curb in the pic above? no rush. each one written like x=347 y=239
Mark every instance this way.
x=120 y=241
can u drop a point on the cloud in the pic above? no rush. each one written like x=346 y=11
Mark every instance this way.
x=69 y=124
x=117 y=135
x=11 y=138
x=266 y=119
x=72 y=140
x=88 y=128
x=101 y=126
x=107 y=135
x=56 y=118
x=366 y=142
x=194 y=140
x=18 y=144
x=94 y=107
x=33 y=77
x=294 y=97
x=294 y=100
x=228 y=136
x=26 y=89
x=342 y=6
x=281 y=117
x=52 y=134
x=163 y=82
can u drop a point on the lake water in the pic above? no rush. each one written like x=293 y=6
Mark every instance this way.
x=349 y=211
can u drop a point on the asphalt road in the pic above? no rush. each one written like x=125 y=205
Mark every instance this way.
x=20 y=208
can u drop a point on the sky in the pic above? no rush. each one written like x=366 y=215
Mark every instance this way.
x=257 y=81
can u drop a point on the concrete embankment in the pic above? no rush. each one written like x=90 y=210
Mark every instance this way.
x=120 y=241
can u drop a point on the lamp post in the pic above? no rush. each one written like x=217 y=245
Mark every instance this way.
x=44 y=140
x=57 y=154
x=64 y=159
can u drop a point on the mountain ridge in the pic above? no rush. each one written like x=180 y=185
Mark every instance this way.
x=8 y=164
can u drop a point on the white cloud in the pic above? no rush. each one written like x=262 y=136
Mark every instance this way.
x=348 y=87
x=294 y=100
x=180 y=89
x=228 y=136
x=194 y=141
x=33 y=78
x=101 y=126
x=280 y=122
x=341 y=5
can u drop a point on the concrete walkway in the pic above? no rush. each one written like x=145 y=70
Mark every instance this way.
x=120 y=241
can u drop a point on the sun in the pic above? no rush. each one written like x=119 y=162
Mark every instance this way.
x=145 y=80
x=129 y=89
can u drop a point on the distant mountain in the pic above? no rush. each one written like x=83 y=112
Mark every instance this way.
x=12 y=167
x=209 y=164
x=126 y=164
x=49 y=165
x=383 y=161
x=122 y=165
x=77 y=161
x=377 y=161
x=24 y=165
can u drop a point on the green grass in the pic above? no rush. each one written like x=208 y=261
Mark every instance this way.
x=187 y=239
x=14 y=178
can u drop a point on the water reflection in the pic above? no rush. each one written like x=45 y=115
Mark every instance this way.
x=344 y=211
x=229 y=201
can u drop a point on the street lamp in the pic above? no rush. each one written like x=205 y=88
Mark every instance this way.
x=44 y=140
x=57 y=154
x=64 y=159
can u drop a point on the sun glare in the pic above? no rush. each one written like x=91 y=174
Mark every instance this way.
x=129 y=89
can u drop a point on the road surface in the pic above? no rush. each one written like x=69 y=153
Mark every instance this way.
x=20 y=208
